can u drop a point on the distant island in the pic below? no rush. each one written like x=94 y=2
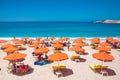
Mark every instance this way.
x=108 y=21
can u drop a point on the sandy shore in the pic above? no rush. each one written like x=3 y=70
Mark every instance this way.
x=76 y=70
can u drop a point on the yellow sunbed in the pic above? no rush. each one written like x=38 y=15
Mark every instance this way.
x=75 y=57
x=118 y=49
x=95 y=66
x=57 y=51
x=60 y=66
x=104 y=67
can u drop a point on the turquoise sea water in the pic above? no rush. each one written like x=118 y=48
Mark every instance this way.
x=57 y=29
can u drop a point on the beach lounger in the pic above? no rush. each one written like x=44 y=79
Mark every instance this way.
x=95 y=67
x=22 y=48
x=55 y=67
x=9 y=69
x=62 y=67
x=98 y=67
x=57 y=51
x=82 y=53
x=58 y=67
x=104 y=67
x=93 y=47
x=75 y=58
x=118 y=49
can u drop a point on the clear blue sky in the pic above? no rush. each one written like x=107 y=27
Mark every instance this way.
x=59 y=10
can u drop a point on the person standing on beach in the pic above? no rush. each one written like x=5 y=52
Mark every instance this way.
x=68 y=45
x=46 y=56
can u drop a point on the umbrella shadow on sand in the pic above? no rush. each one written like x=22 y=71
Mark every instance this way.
x=67 y=72
x=108 y=52
x=26 y=73
x=48 y=61
x=108 y=61
x=82 y=60
x=85 y=53
x=111 y=72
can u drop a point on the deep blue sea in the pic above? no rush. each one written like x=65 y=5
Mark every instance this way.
x=57 y=29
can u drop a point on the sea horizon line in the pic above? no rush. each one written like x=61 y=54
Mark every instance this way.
x=46 y=21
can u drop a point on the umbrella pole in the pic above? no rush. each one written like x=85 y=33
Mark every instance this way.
x=58 y=69
x=58 y=64
x=102 y=64
x=101 y=68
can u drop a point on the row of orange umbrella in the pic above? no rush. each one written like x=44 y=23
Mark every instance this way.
x=59 y=56
x=94 y=40
x=53 y=57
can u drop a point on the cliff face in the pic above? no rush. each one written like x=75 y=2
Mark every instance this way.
x=109 y=21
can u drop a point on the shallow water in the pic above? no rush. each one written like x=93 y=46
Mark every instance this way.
x=57 y=29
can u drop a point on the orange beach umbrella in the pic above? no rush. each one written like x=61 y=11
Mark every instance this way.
x=2 y=41
x=41 y=50
x=57 y=42
x=77 y=40
x=25 y=39
x=103 y=48
x=6 y=46
x=114 y=41
x=17 y=42
x=76 y=49
x=52 y=38
x=38 y=39
x=103 y=56
x=64 y=39
x=109 y=38
x=34 y=45
x=57 y=45
x=46 y=39
x=58 y=57
x=104 y=44
x=15 y=56
x=10 y=49
x=80 y=44
x=95 y=40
